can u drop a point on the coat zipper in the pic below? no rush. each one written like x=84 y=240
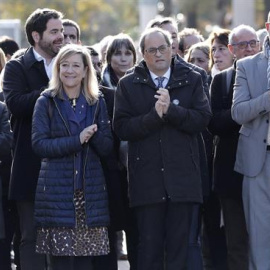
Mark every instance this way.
x=76 y=225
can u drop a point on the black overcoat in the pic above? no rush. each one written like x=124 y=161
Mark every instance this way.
x=227 y=182
x=24 y=79
x=5 y=146
x=163 y=156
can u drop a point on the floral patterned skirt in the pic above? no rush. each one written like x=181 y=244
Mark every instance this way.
x=80 y=241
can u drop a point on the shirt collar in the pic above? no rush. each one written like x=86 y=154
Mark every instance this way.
x=48 y=68
x=38 y=56
x=166 y=74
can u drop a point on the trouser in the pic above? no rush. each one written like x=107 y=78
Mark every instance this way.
x=163 y=235
x=195 y=261
x=109 y=261
x=11 y=227
x=236 y=233
x=30 y=260
x=214 y=246
x=132 y=238
x=256 y=201
x=71 y=263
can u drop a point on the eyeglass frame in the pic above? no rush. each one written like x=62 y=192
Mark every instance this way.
x=246 y=44
x=158 y=49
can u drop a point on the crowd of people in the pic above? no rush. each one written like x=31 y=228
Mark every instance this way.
x=165 y=144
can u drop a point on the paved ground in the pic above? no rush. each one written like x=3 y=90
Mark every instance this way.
x=123 y=265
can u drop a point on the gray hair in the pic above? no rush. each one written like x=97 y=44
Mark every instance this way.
x=235 y=31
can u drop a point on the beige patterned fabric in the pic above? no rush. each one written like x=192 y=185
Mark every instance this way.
x=80 y=241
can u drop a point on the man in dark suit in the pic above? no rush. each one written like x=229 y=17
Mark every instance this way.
x=159 y=109
x=24 y=79
x=204 y=139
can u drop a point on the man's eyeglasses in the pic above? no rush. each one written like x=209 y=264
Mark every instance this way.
x=243 y=44
x=162 y=49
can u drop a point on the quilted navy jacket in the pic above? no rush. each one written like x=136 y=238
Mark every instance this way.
x=53 y=142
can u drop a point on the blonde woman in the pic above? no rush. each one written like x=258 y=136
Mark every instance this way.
x=70 y=133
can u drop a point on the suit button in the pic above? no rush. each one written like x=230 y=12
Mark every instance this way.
x=267 y=121
x=264 y=141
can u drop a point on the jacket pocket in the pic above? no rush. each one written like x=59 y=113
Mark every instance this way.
x=245 y=131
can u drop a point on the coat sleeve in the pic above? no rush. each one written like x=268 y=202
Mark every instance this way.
x=194 y=118
x=20 y=100
x=5 y=132
x=221 y=122
x=127 y=125
x=102 y=141
x=205 y=82
x=246 y=108
x=43 y=144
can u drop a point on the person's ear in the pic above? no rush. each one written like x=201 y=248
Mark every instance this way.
x=231 y=49
x=35 y=36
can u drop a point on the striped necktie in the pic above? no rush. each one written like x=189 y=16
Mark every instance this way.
x=160 y=82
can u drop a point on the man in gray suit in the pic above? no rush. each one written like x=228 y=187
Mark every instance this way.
x=251 y=108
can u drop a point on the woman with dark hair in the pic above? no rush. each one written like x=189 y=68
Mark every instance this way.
x=214 y=241
x=220 y=56
x=120 y=57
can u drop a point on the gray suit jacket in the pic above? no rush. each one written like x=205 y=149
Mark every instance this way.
x=251 y=107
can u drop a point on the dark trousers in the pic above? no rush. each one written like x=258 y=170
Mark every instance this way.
x=132 y=239
x=12 y=234
x=236 y=233
x=30 y=260
x=72 y=263
x=163 y=235
x=195 y=261
x=109 y=261
x=214 y=247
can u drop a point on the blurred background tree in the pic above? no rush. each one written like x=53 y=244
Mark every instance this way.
x=98 y=18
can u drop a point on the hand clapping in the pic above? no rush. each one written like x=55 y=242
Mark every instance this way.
x=163 y=101
x=87 y=133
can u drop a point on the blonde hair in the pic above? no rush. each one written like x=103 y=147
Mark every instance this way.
x=89 y=84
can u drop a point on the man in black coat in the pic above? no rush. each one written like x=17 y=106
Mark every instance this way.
x=5 y=146
x=160 y=107
x=24 y=79
x=243 y=42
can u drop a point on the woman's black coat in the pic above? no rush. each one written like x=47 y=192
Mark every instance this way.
x=227 y=182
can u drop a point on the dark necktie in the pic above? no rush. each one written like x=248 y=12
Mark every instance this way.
x=160 y=81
